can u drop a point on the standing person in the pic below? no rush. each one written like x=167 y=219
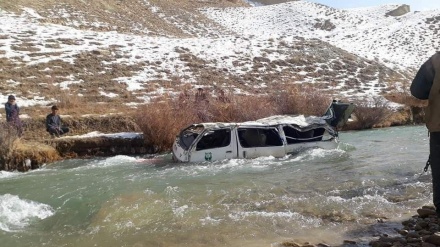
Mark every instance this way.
x=53 y=123
x=426 y=85
x=12 y=114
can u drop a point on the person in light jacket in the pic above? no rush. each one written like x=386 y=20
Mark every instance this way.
x=53 y=123
x=12 y=115
x=426 y=85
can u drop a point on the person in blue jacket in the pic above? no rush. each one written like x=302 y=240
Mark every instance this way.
x=12 y=115
x=53 y=123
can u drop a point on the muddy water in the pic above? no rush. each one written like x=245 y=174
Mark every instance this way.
x=318 y=195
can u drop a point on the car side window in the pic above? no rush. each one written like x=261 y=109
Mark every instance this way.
x=259 y=137
x=214 y=139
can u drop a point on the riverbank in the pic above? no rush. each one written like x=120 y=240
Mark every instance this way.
x=89 y=136
x=421 y=230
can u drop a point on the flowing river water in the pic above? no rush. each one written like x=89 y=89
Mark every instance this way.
x=319 y=196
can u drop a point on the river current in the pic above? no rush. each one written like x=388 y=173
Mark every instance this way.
x=365 y=187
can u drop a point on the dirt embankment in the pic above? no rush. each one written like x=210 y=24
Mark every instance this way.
x=36 y=147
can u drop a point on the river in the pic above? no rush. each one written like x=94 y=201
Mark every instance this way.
x=318 y=196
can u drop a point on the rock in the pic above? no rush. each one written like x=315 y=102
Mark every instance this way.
x=423 y=224
x=434 y=228
x=434 y=239
x=289 y=244
x=349 y=242
x=424 y=232
x=427 y=245
x=380 y=244
x=408 y=222
x=323 y=245
x=424 y=212
x=429 y=207
x=401 y=10
x=413 y=235
x=403 y=232
x=413 y=240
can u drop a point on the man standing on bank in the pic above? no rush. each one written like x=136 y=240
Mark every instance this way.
x=426 y=85
x=12 y=115
x=53 y=123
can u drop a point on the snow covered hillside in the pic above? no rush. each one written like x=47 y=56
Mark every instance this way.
x=404 y=40
x=69 y=49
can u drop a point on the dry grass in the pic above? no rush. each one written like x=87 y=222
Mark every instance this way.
x=302 y=99
x=126 y=16
x=21 y=155
x=35 y=129
x=35 y=153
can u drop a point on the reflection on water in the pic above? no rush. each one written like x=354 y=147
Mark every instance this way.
x=318 y=195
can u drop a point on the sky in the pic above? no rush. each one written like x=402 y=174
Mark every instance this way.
x=415 y=4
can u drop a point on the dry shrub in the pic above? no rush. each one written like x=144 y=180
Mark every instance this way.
x=369 y=113
x=68 y=101
x=302 y=99
x=8 y=134
x=162 y=120
x=405 y=98
x=415 y=106
x=22 y=155
x=243 y=108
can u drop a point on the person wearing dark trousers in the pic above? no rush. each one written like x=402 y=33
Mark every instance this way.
x=426 y=85
x=53 y=123
x=12 y=115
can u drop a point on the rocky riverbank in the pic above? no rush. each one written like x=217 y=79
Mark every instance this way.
x=421 y=230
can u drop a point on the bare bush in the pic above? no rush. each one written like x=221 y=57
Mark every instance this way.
x=243 y=108
x=302 y=99
x=370 y=113
x=162 y=120
x=8 y=134
x=405 y=98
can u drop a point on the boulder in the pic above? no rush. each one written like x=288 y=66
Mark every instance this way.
x=425 y=212
x=434 y=239
x=401 y=10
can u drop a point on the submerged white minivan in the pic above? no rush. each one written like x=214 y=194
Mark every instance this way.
x=274 y=136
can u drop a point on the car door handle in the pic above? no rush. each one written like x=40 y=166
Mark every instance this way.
x=228 y=152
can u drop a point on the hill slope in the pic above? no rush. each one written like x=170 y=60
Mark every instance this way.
x=128 y=52
x=404 y=40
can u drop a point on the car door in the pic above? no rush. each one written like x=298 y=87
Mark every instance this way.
x=256 y=142
x=217 y=144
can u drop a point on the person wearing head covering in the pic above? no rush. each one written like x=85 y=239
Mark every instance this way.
x=53 y=123
x=12 y=114
x=426 y=86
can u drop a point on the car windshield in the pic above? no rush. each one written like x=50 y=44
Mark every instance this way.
x=188 y=135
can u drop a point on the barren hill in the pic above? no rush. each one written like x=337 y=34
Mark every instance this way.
x=179 y=18
x=126 y=52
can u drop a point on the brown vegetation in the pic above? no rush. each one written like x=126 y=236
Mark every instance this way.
x=138 y=16
x=21 y=155
x=8 y=135
x=369 y=114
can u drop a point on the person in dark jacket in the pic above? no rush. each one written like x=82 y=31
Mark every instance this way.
x=12 y=115
x=426 y=85
x=53 y=123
